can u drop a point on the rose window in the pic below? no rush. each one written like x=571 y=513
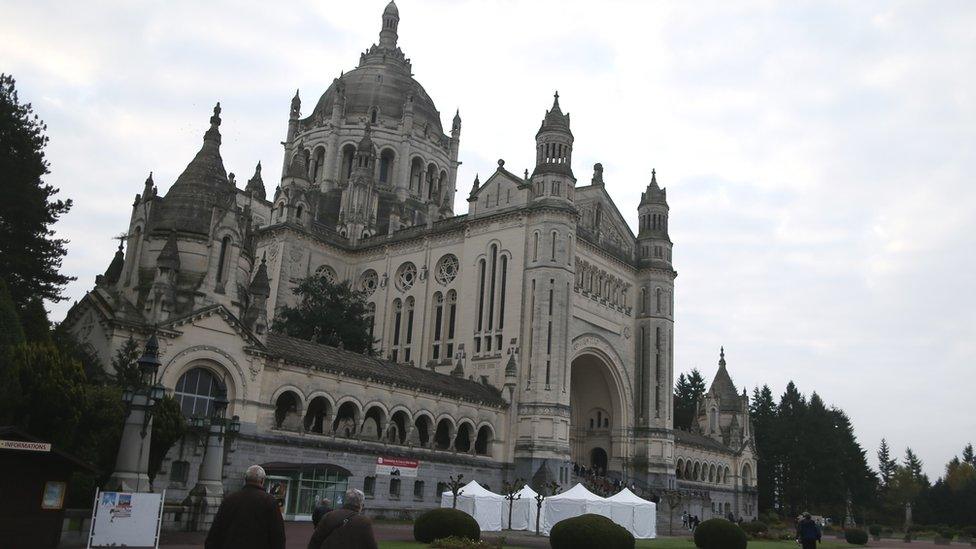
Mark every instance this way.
x=447 y=269
x=406 y=275
x=368 y=282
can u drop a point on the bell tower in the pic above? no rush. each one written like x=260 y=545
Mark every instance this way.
x=553 y=175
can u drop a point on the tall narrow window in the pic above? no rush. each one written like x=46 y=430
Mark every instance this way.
x=298 y=212
x=438 y=318
x=397 y=316
x=481 y=292
x=535 y=247
x=409 y=335
x=222 y=260
x=371 y=317
x=553 y=245
x=451 y=316
x=491 y=295
x=501 y=300
x=657 y=297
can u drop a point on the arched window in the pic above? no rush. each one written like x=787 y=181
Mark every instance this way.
x=386 y=166
x=416 y=173
x=222 y=260
x=298 y=212
x=535 y=246
x=318 y=163
x=482 y=445
x=409 y=334
x=657 y=297
x=431 y=180
x=438 y=324
x=286 y=411
x=554 y=236
x=451 y=317
x=481 y=294
x=493 y=254
x=373 y=113
x=195 y=392
x=713 y=420
x=345 y=168
x=397 y=317
x=501 y=297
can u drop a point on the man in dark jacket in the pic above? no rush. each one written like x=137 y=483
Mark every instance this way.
x=807 y=532
x=320 y=511
x=248 y=518
x=345 y=528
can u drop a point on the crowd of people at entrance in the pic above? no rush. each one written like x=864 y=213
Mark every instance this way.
x=251 y=519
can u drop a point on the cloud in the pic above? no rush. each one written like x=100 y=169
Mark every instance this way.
x=818 y=156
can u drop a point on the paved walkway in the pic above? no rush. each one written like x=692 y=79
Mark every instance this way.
x=298 y=534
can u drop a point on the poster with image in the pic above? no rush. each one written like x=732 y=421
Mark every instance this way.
x=126 y=519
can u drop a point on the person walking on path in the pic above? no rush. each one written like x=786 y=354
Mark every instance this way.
x=345 y=528
x=248 y=518
x=321 y=510
x=807 y=532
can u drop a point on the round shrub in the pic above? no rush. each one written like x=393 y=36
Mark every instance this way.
x=755 y=528
x=856 y=536
x=590 y=530
x=719 y=533
x=444 y=523
x=875 y=530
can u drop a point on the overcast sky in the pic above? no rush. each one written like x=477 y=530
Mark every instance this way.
x=819 y=157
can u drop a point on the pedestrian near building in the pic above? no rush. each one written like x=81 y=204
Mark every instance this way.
x=248 y=518
x=323 y=507
x=345 y=528
x=807 y=532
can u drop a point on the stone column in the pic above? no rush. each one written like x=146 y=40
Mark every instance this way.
x=132 y=462
x=206 y=496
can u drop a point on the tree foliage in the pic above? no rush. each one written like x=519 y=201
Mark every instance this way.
x=688 y=393
x=331 y=313
x=30 y=256
x=168 y=428
x=808 y=456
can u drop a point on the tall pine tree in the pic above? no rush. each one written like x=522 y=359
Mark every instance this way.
x=762 y=410
x=688 y=392
x=886 y=465
x=30 y=256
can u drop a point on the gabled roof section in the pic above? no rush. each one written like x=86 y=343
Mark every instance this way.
x=214 y=310
x=695 y=439
x=593 y=193
x=323 y=357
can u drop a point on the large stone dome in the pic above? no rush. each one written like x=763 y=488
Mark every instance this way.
x=385 y=85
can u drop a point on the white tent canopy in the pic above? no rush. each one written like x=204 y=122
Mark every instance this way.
x=634 y=513
x=485 y=506
x=572 y=503
x=524 y=510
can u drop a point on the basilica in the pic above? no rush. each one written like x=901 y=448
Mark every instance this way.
x=530 y=334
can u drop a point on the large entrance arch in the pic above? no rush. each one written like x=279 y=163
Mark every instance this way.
x=597 y=411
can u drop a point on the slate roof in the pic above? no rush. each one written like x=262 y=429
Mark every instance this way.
x=348 y=363
x=695 y=439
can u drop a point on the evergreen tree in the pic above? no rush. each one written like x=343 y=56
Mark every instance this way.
x=689 y=391
x=124 y=365
x=967 y=455
x=886 y=465
x=11 y=332
x=30 y=256
x=332 y=313
x=789 y=429
x=763 y=414
x=168 y=428
x=914 y=465
x=33 y=317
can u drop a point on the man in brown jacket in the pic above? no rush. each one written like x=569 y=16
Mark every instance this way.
x=248 y=518
x=345 y=528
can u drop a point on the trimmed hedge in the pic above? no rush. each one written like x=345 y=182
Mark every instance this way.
x=875 y=530
x=718 y=533
x=587 y=531
x=755 y=528
x=856 y=536
x=444 y=523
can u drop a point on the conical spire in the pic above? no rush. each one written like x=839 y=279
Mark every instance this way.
x=722 y=385
x=555 y=119
x=169 y=256
x=255 y=185
x=114 y=271
x=296 y=105
x=476 y=185
x=261 y=285
x=654 y=193
x=149 y=188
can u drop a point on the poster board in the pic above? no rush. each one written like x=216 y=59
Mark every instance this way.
x=129 y=519
x=397 y=467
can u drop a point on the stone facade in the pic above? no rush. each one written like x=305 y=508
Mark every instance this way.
x=533 y=332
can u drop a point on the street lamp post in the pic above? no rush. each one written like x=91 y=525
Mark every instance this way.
x=131 y=472
x=209 y=489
